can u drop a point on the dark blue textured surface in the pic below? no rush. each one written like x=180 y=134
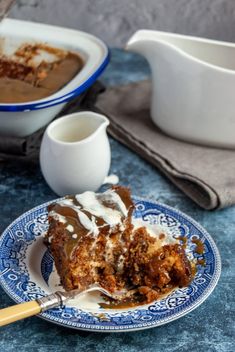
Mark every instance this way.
x=209 y=328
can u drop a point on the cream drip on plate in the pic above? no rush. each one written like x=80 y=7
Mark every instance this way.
x=111 y=179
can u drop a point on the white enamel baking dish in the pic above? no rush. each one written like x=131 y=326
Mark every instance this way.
x=22 y=119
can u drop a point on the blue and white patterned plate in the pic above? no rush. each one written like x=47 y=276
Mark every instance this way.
x=26 y=273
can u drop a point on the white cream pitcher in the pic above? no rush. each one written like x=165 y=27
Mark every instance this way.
x=75 y=153
x=193 y=86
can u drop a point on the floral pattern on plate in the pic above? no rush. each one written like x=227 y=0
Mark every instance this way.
x=26 y=266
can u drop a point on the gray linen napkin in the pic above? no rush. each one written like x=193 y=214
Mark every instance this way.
x=207 y=175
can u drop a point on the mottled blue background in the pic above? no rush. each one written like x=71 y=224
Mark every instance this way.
x=209 y=328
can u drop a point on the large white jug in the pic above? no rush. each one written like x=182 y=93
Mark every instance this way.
x=193 y=93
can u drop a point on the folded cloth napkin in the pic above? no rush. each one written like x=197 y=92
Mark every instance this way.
x=27 y=148
x=207 y=175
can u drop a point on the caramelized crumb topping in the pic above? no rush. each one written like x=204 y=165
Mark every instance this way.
x=118 y=257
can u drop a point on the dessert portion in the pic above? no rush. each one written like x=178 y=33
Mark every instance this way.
x=88 y=236
x=28 y=75
x=156 y=266
x=93 y=240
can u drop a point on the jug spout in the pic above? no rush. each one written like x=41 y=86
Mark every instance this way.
x=97 y=125
x=100 y=124
x=152 y=46
x=139 y=43
x=103 y=123
x=211 y=54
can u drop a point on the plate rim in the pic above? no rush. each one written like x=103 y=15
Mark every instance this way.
x=146 y=325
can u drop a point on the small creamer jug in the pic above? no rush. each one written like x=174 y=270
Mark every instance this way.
x=75 y=153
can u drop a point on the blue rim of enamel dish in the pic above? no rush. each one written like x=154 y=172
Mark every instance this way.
x=64 y=98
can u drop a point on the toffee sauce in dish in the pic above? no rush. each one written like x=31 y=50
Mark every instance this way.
x=22 y=80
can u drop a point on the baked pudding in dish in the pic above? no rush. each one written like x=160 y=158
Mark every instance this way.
x=22 y=80
x=43 y=67
x=94 y=239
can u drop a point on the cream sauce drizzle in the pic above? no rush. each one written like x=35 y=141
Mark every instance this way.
x=89 y=224
x=107 y=206
x=93 y=203
x=70 y=228
x=114 y=198
x=57 y=216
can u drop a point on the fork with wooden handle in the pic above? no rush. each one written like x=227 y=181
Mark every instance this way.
x=57 y=299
